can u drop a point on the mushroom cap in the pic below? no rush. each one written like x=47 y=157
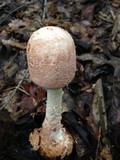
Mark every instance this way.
x=51 y=57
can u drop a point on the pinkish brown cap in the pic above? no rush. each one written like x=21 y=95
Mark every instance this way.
x=51 y=57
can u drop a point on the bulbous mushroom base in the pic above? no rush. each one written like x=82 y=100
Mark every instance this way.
x=52 y=144
x=59 y=143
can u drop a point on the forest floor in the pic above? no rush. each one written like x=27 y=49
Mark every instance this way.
x=92 y=98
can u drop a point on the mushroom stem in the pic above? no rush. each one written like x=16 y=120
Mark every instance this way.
x=52 y=140
x=54 y=108
x=55 y=141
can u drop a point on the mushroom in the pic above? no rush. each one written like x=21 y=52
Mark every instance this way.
x=52 y=65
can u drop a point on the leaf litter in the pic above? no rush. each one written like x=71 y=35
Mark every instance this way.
x=91 y=103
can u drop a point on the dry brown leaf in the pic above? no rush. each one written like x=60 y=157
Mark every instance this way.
x=106 y=154
x=16 y=23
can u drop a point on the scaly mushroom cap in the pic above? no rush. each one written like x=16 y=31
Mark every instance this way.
x=51 y=57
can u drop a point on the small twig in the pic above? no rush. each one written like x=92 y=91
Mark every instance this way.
x=116 y=26
x=24 y=91
x=111 y=10
x=15 y=90
x=16 y=9
x=44 y=9
x=112 y=14
x=105 y=17
x=13 y=43
x=98 y=144
x=12 y=58
x=2 y=5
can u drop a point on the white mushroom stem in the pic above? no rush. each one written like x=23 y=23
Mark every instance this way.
x=55 y=141
x=54 y=108
x=52 y=140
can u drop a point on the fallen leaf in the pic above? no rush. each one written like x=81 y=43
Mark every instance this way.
x=106 y=154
